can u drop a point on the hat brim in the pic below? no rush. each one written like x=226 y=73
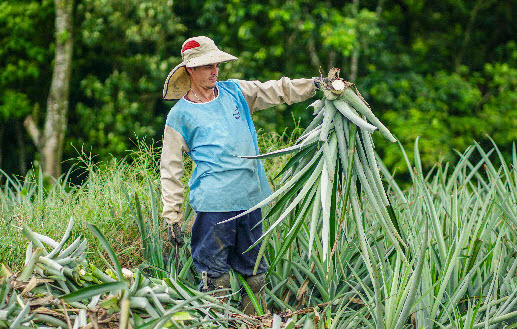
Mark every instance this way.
x=177 y=83
x=210 y=57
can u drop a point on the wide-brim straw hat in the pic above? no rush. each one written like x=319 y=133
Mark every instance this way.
x=197 y=51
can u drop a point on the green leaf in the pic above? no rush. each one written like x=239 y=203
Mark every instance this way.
x=86 y=293
x=314 y=280
x=472 y=258
x=64 y=239
x=415 y=281
x=104 y=242
x=277 y=153
x=21 y=317
x=111 y=304
x=293 y=232
x=288 y=196
x=250 y=293
x=296 y=158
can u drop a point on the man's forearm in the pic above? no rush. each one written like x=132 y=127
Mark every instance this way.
x=262 y=95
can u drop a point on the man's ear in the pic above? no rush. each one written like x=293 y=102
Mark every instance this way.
x=189 y=70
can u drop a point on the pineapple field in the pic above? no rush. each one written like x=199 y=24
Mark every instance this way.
x=347 y=245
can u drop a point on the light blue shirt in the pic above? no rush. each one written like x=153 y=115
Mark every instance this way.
x=215 y=133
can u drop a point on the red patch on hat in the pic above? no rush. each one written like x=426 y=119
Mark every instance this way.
x=189 y=45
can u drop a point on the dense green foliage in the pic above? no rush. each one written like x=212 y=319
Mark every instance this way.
x=441 y=70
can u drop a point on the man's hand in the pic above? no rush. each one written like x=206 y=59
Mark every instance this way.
x=175 y=235
x=321 y=83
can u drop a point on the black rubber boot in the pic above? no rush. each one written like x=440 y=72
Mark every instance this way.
x=256 y=283
x=212 y=284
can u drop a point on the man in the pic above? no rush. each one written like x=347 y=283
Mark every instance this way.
x=212 y=123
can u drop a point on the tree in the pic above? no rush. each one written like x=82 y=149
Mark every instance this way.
x=424 y=85
x=13 y=106
x=49 y=140
x=125 y=50
x=25 y=31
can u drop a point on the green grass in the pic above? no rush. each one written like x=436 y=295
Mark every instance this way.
x=100 y=200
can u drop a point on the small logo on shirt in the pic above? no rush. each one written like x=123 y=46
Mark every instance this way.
x=236 y=114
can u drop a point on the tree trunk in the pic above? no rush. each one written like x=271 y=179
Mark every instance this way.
x=466 y=36
x=21 y=148
x=313 y=54
x=354 y=61
x=49 y=141
x=332 y=59
x=354 y=65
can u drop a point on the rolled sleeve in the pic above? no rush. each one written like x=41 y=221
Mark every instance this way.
x=262 y=95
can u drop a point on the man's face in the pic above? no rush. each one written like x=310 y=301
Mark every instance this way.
x=204 y=76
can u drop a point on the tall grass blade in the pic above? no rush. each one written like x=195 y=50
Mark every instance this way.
x=256 y=304
x=431 y=210
x=104 y=242
x=415 y=282
x=315 y=215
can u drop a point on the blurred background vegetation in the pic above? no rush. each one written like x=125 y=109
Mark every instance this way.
x=442 y=70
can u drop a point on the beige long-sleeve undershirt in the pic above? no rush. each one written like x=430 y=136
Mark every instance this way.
x=259 y=96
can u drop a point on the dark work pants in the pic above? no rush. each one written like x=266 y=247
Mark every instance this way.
x=217 y=248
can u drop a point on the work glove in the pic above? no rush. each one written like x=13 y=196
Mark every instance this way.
x=321 y=83
x=175 y=235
